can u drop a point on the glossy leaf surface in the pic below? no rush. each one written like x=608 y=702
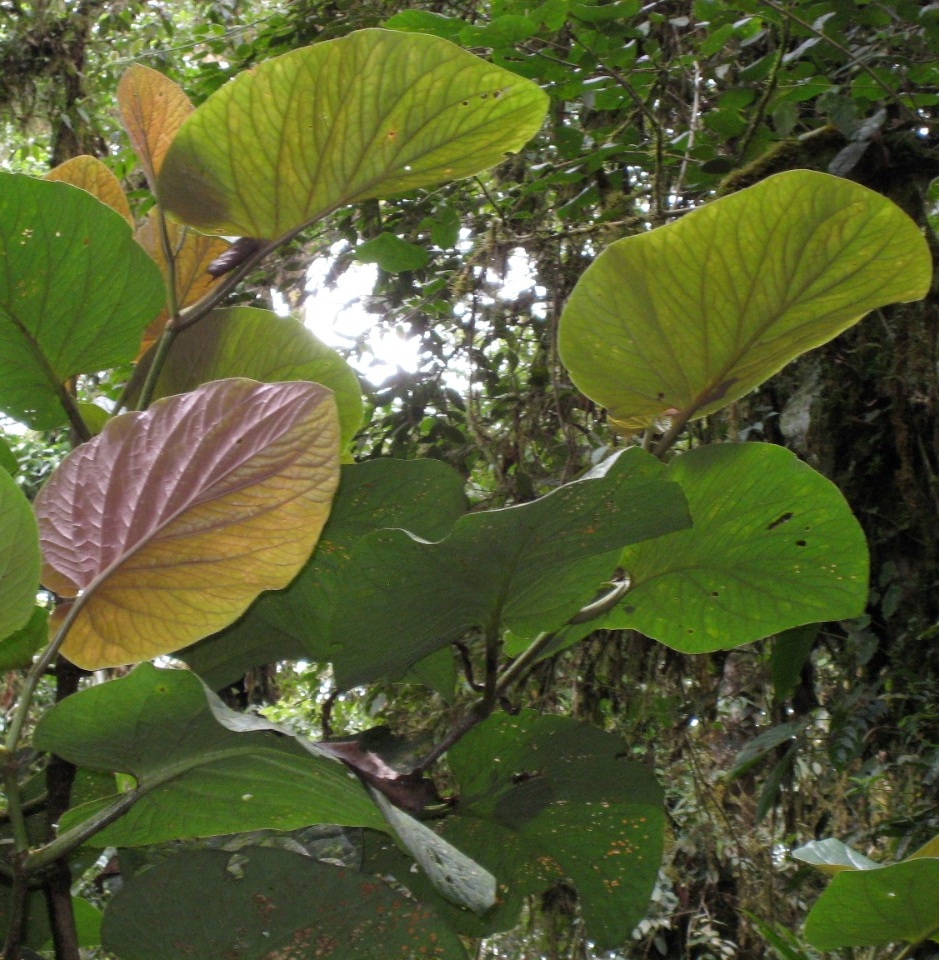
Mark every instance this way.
x=19 y=557
x=423 y=496
x=371 y=114
x=173 y=520
x=246 y=342
x=152 y=108
x=526 y=568
x=687 y=318
x=451 y=873
x=201 y=770
x=75 y=294
x=773 y=545
x=91 y=175
x=831 y=856
x=262 y=903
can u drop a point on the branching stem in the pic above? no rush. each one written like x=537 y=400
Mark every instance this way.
x=497 y=683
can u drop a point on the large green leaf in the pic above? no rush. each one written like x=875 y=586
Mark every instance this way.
x=18 y=649
x=875 y=906
x=75 y=293
x=201 y=770
x=773 y=545
x=543 y=799
x=169 y=524
x=424 y=496
x=19 y=557
x=526 y=568
x=371 y=114
x=246 y=342
x=262 y=903
x=682 y=320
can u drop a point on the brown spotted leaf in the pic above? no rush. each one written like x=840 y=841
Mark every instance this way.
x=543 y=800
x=262 y=903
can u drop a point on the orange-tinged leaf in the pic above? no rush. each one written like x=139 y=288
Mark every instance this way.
x=93 y=176
x=194 y=252
x=153 y=108
x=170 y=523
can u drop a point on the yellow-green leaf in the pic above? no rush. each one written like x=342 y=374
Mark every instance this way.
x=92 y=175
x=247 y=342
x=683 y=320
x=375 y=113
x=167 y=525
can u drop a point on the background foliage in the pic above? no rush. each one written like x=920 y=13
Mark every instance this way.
x=653 y=109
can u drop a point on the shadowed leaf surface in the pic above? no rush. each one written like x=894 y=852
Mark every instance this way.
x=18 y=648
x=877 y=906
x=173 y=520
x=773 y=545
x=526 y=568
x=263 y=903
x=689 y=317
x=424 y=496
x=8 y=461
x=75 y=294
x=542 y=799
x=201 y=769
x=374 y=113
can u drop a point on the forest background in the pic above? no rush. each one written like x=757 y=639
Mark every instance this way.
x=655 y=108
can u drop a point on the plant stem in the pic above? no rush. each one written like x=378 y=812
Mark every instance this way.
x=679 y=422
x=172 y=307
x=496 y=684
x=771 y=83
x=65 y=843
x=17 y=918
x=21 y=865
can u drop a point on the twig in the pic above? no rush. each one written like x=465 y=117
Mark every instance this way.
x=496 y=683
x=327 y=714
x=853 y=61
x=756 y=118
